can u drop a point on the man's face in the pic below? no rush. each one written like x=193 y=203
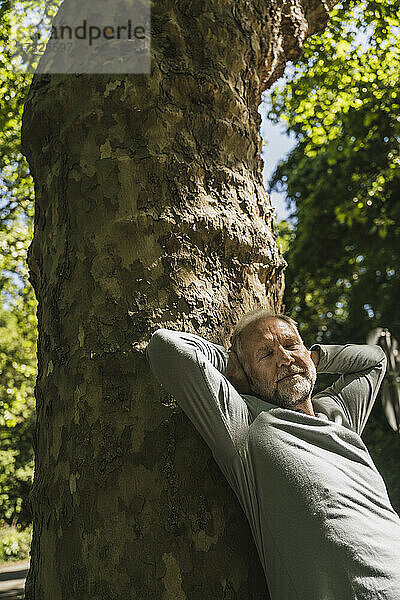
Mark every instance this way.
x=279 y=367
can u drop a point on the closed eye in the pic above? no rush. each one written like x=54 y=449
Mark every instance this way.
x=287 y=347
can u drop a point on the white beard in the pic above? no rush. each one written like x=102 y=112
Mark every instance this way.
x=289 y=392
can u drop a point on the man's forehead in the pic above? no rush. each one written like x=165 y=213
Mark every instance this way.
x=268 y=329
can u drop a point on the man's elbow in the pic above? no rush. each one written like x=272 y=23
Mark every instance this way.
x=158 y=343
x=161 y=354
x=380 y=356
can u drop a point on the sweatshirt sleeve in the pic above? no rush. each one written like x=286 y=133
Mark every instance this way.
x=192 y=370
x=352 y=395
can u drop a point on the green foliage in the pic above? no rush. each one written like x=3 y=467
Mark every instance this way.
x=284 y=235
x=17 y=301
x=14 y=543
x=342 y=180
x=17 y=415
x=343 y=177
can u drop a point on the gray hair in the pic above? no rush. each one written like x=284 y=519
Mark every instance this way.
x=250 y=317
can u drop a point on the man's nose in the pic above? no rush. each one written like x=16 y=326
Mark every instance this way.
x=284 y=357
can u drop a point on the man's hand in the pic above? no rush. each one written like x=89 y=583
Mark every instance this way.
x=236 y=375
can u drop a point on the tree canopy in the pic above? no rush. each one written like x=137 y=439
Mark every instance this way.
x=342 y=177
x=17 y=300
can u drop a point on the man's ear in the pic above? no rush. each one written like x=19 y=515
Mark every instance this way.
x=314 y=355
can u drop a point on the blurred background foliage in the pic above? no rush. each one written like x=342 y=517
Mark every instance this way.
x=341 y=241
x=17 y=300
x=342 y=184
x=18 y=324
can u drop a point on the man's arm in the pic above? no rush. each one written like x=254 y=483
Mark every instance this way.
x=192 y=370
x=362 y=369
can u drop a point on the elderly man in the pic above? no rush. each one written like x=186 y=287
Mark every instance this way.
x=317 y=506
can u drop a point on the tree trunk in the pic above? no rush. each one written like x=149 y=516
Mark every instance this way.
x=150 y=211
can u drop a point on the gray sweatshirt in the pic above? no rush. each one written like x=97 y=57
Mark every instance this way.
x=317 y=506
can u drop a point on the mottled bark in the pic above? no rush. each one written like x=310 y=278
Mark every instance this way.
x=150 y=211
